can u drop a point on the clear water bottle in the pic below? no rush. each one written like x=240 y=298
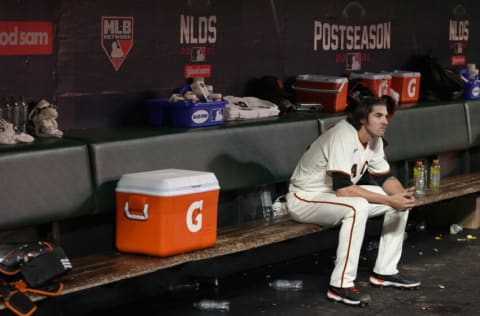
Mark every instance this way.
x=7 y=112
x=16 y=113
x=434 y=181
x=182 y=287
x=266 y=200
x=455 y=229
x=292 y=285
x=372 y=245
x=212 y=305
x=419 y=178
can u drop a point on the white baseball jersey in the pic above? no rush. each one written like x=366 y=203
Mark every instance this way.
x=337 y=150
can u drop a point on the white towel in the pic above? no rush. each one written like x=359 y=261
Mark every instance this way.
x=247 y=108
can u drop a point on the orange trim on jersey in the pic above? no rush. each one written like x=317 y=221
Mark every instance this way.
x=351 y=229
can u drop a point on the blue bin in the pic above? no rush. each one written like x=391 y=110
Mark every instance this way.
x=185 y=114
x=155 y=112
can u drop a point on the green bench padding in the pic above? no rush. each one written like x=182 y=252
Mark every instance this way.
x=473 y=115
x=241 y=155
x=54 y=179
x=43 y=182
x=427 y=130
x=325 y=123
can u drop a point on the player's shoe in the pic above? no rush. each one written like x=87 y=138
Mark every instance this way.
x=350 y=296
x=395 y=280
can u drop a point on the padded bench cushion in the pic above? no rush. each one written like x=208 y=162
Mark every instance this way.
x=427 y=130
x=473 y=114
x=44 y=181
x=241 y=155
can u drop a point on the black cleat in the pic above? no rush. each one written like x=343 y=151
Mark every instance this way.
x=395 y=280
x=350 y=296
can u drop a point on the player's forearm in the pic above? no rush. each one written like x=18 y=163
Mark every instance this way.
x=358 y=191
x=392 y=186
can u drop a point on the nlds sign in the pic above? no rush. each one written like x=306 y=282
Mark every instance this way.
x=198 y=30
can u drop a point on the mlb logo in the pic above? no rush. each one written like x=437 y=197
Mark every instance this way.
x=117 y=38
x=458 y=48
x=354 y=61
x=198 y=54
x=217 y=115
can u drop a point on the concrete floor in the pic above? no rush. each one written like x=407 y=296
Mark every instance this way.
x=448 y=266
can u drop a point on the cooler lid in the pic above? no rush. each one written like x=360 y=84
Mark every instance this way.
x=167 y=182
x=371 y=75
x=321 y=78
x=405 y=74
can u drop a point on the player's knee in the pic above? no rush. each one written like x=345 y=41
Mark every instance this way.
x=360 y=207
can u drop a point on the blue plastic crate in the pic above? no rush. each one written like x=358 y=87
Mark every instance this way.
x=185 y=114
x=155 y=112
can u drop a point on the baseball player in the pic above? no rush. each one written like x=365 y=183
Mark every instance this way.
x=326 y=189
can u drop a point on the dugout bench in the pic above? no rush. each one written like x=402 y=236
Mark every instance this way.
x=242 y=155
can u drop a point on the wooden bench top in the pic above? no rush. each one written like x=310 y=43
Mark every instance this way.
x=452 y=187
x=101 y=269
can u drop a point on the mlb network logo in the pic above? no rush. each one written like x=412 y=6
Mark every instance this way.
x=117 y=38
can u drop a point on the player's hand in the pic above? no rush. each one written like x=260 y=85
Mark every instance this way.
x=403 y=201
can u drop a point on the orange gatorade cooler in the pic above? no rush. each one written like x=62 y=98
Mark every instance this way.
x=407 y=84
x=378 y=83
x=166 y=212
x=329 y=91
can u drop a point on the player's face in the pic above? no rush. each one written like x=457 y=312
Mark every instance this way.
x=377 y=122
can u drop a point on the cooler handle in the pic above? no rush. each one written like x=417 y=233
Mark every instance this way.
x=143 y=217
x=320 y=90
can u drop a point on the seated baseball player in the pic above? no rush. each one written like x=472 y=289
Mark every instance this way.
x=325 y=190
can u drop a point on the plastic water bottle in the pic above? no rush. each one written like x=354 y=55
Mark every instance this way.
x=372 y=245
x=7 y=112
x=16 y=114
x=434 y=182
x=455 y=229
x=23 y=119
x=212 y=305
x=419 y=178
x=292 y=285
x=187 y=286
x=266 y=200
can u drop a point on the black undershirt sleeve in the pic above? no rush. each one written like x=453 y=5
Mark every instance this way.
x=340 y=180
x=380 y=179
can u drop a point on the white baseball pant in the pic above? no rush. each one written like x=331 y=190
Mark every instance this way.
x=352 y=213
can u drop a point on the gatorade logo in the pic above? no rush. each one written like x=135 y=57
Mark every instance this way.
x=194 y=216
x=412 y=87
x=383 y=88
